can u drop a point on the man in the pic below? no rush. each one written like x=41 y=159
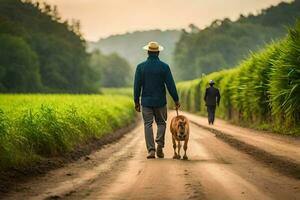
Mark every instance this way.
x=212 y=98
x=151 y=77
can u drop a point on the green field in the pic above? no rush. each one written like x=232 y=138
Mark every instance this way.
x=262 y=92
x=118 y=91
x=33 y=127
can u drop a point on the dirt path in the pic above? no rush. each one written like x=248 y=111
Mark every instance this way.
x=120 y=171
x=276 y=144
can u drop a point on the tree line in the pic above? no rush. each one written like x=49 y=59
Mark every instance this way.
x=40 y=52
x=225 y=43
x=261 y=92
x=129 y=45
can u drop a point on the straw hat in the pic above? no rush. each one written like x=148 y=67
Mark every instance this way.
x=153 y=46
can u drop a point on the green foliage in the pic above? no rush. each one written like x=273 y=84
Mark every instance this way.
x=225 y=43
x=285 y=80
x=189 y=95
x=118 y=91
x=48 y=51
x=33 y=127
x=21 y=73
x=261 y=92
x=114 y=70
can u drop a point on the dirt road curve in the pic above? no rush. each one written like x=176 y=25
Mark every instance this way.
x=215 y=170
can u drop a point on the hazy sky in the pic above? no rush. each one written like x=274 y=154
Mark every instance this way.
x=101 y=18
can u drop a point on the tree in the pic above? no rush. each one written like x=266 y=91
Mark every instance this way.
x=19 y=67
x=113 y=69
x=58 y=52
x=224 y=43
x=117 y=73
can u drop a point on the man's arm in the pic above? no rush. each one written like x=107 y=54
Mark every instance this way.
x=171 y=85
x=137 y=85
x=218 y=97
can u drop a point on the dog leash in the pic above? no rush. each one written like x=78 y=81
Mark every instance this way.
x=177 y=111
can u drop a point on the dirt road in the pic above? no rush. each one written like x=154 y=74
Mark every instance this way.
x=214 y=170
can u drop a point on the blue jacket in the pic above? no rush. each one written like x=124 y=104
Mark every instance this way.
x=212 y=96
x=151 y=77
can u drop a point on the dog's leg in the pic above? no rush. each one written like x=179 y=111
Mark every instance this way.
x=185 y=148
x=179 y=147
x=174 y=147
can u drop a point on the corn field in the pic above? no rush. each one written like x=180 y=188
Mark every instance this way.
x=33 y=127
x=262 y=92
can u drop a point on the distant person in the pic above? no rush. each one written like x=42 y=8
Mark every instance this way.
x=151 y=77
x=212 y=98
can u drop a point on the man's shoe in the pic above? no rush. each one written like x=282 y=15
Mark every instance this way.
x=159 y=152
x=151 y=155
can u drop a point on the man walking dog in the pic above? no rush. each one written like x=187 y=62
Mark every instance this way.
x=212 y=98
x=151 y=77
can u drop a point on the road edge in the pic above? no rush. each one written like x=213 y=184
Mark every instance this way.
x=10 y=178
x=279 y=163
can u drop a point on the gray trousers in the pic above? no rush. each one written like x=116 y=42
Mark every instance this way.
x=160 y=116
x=211 y=113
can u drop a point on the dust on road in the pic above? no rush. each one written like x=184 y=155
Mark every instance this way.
x=214 y=170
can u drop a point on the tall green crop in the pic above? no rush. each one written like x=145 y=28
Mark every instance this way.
x=36 y=126
x=285 y=80
x=263 y=91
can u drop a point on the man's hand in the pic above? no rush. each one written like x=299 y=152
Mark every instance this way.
x=177 y=104
x=137 y=107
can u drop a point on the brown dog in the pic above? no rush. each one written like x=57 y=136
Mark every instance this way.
x=180 y=132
